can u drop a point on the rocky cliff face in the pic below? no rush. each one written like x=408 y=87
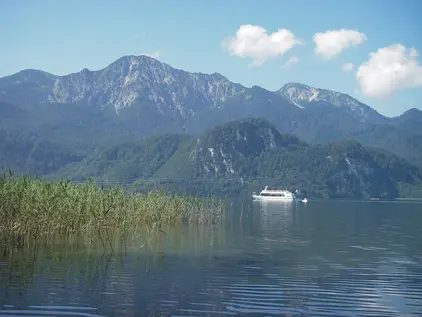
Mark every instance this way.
x=229 y=149
x=131 y=80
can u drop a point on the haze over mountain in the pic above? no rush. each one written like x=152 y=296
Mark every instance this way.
x=139 y=96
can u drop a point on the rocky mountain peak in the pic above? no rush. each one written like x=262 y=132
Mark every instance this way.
x=305 y=96
x=299 y=93
x=222 y=149
x=302 y=95
x=294 y=86
x=26 y=87
x=141 y=79
x=410 y=120
x=27 y=76
x=412 y=113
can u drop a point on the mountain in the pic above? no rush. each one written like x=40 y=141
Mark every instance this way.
x=27 y=88
x=341 y=169
x=132 y=97
x=410 y=121
x=11 y=115
x=230 y=149
x=142 y=80
x=127 y=162
x=333 y=116
x=244 y=155
x=305 y=97
x=24 y=153
x=138 y=96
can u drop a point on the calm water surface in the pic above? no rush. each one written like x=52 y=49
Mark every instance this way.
x=318 y=259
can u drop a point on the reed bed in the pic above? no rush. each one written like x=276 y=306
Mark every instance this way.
x=36 y=207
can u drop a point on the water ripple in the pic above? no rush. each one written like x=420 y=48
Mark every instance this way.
x=307 y=262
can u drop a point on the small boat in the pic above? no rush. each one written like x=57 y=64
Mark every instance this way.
x=305 y=200
x=274 y=195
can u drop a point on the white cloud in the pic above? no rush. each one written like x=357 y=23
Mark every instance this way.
x=389 y=69
x=347 y=67
x=255 y=42
x=331 y=43
x=290 y=62
x=155 y=54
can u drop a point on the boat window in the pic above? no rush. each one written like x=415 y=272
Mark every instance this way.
x=273 y=194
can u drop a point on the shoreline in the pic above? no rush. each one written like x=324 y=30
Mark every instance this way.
x=38 y=207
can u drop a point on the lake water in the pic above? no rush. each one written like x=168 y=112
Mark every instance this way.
x=319 y=259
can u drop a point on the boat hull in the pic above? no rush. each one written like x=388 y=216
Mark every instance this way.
x=272 y=198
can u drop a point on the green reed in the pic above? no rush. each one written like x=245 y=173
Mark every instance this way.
x=36 y=207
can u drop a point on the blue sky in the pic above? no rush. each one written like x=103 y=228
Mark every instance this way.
x=62 y=37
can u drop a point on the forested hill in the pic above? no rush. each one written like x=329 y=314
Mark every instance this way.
x=26 y=153
x=244 y=155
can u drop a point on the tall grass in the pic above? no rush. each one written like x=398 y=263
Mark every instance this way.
x=36 y=207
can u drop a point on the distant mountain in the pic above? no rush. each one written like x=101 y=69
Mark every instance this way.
x=245 y=155
x=305 y=96
x=10 y=115
x=132 y=97
x=24 y=153
x=333 y=116
x=410 y=121
x=27 y=88
x=138 y=96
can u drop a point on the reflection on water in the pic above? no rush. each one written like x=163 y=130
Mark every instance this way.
x=270 y=258
x=279 y=212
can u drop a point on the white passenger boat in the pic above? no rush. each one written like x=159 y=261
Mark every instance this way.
x=274 y=195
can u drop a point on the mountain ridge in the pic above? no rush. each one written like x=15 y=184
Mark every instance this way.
x=150 y=60
x=138 y=96
x=244 y=155
x=128 y=61
x=304 y=96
